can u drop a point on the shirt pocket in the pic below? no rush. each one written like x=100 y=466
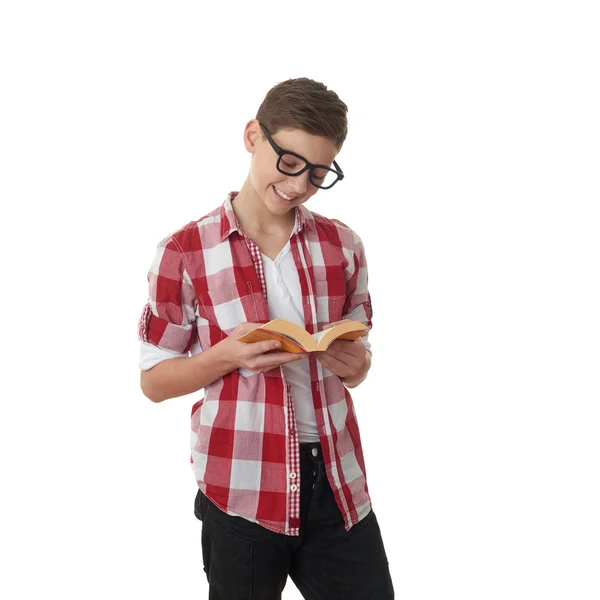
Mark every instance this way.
x=331 y=297
x=226 y=306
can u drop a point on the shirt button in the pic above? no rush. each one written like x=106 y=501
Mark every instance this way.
x=292 y=475
x=315 y=451
x=293 y=487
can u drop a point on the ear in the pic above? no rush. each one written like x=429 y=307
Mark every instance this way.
x=252 y=134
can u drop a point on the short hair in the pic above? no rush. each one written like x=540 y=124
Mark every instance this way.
x=305 y=104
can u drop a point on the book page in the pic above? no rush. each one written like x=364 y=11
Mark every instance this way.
x=288 y=343
x=293 y=331
x=317 y=336
x=349 y=330
x=283 y=337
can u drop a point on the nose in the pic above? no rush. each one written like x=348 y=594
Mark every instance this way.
x=299 y=183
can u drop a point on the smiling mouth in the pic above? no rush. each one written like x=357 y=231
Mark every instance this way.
x=288 y=199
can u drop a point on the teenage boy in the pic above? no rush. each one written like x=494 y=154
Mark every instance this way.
x=275 y=445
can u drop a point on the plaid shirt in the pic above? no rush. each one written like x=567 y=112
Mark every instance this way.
x=206 y=279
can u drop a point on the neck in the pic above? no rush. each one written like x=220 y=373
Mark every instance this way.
x=253 y=215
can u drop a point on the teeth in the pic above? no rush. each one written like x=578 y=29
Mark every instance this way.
x=282 y=194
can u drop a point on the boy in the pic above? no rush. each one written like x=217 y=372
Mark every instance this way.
x=275 y=445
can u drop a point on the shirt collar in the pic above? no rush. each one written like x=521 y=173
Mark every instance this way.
x=230 y=223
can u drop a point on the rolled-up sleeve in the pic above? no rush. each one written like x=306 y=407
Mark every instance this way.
x=358 y=299
x=151 y=355
x=168 y=319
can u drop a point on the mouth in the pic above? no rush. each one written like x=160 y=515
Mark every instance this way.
x=278 y=194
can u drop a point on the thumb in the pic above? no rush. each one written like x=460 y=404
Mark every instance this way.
x=267 y=346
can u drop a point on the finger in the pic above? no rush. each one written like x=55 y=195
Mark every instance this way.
x=292 y=356
x=265 y=346
x=274 y=360
x=333 y=363
x=345 y=351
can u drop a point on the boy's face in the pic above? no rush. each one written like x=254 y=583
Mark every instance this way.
x=263 y=169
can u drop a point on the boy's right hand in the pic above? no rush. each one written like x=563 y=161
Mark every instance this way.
x=257 y=357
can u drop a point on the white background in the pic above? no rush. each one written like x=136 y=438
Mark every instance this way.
x=472 y=177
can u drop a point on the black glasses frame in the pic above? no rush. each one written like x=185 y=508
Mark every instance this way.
x=280 y=152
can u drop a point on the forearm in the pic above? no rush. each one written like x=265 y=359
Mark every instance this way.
x=176 y=377
x=352 y=382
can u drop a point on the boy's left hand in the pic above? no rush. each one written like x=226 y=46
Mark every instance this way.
x=344 y=358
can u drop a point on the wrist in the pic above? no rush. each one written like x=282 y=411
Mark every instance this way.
x=225 y=355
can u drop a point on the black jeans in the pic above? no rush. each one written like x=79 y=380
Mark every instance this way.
x=243 y=560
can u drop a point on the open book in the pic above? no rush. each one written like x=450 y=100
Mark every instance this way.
x=296 y=339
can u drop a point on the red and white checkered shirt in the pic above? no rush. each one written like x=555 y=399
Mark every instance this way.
x=206 y=279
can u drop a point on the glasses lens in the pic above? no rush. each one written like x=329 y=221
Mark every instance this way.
x=324 y=177
x=291 y=164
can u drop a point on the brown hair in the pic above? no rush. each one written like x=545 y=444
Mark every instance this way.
x=305 y=104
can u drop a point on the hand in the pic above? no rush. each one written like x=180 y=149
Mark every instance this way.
x=344 y=358
x=257 y=357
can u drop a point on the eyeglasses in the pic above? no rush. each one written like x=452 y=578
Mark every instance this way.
x=290 y=163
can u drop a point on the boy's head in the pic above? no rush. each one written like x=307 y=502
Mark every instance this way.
x=300 y=121
x=307 y=105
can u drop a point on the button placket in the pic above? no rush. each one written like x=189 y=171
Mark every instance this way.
x=281 y=289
